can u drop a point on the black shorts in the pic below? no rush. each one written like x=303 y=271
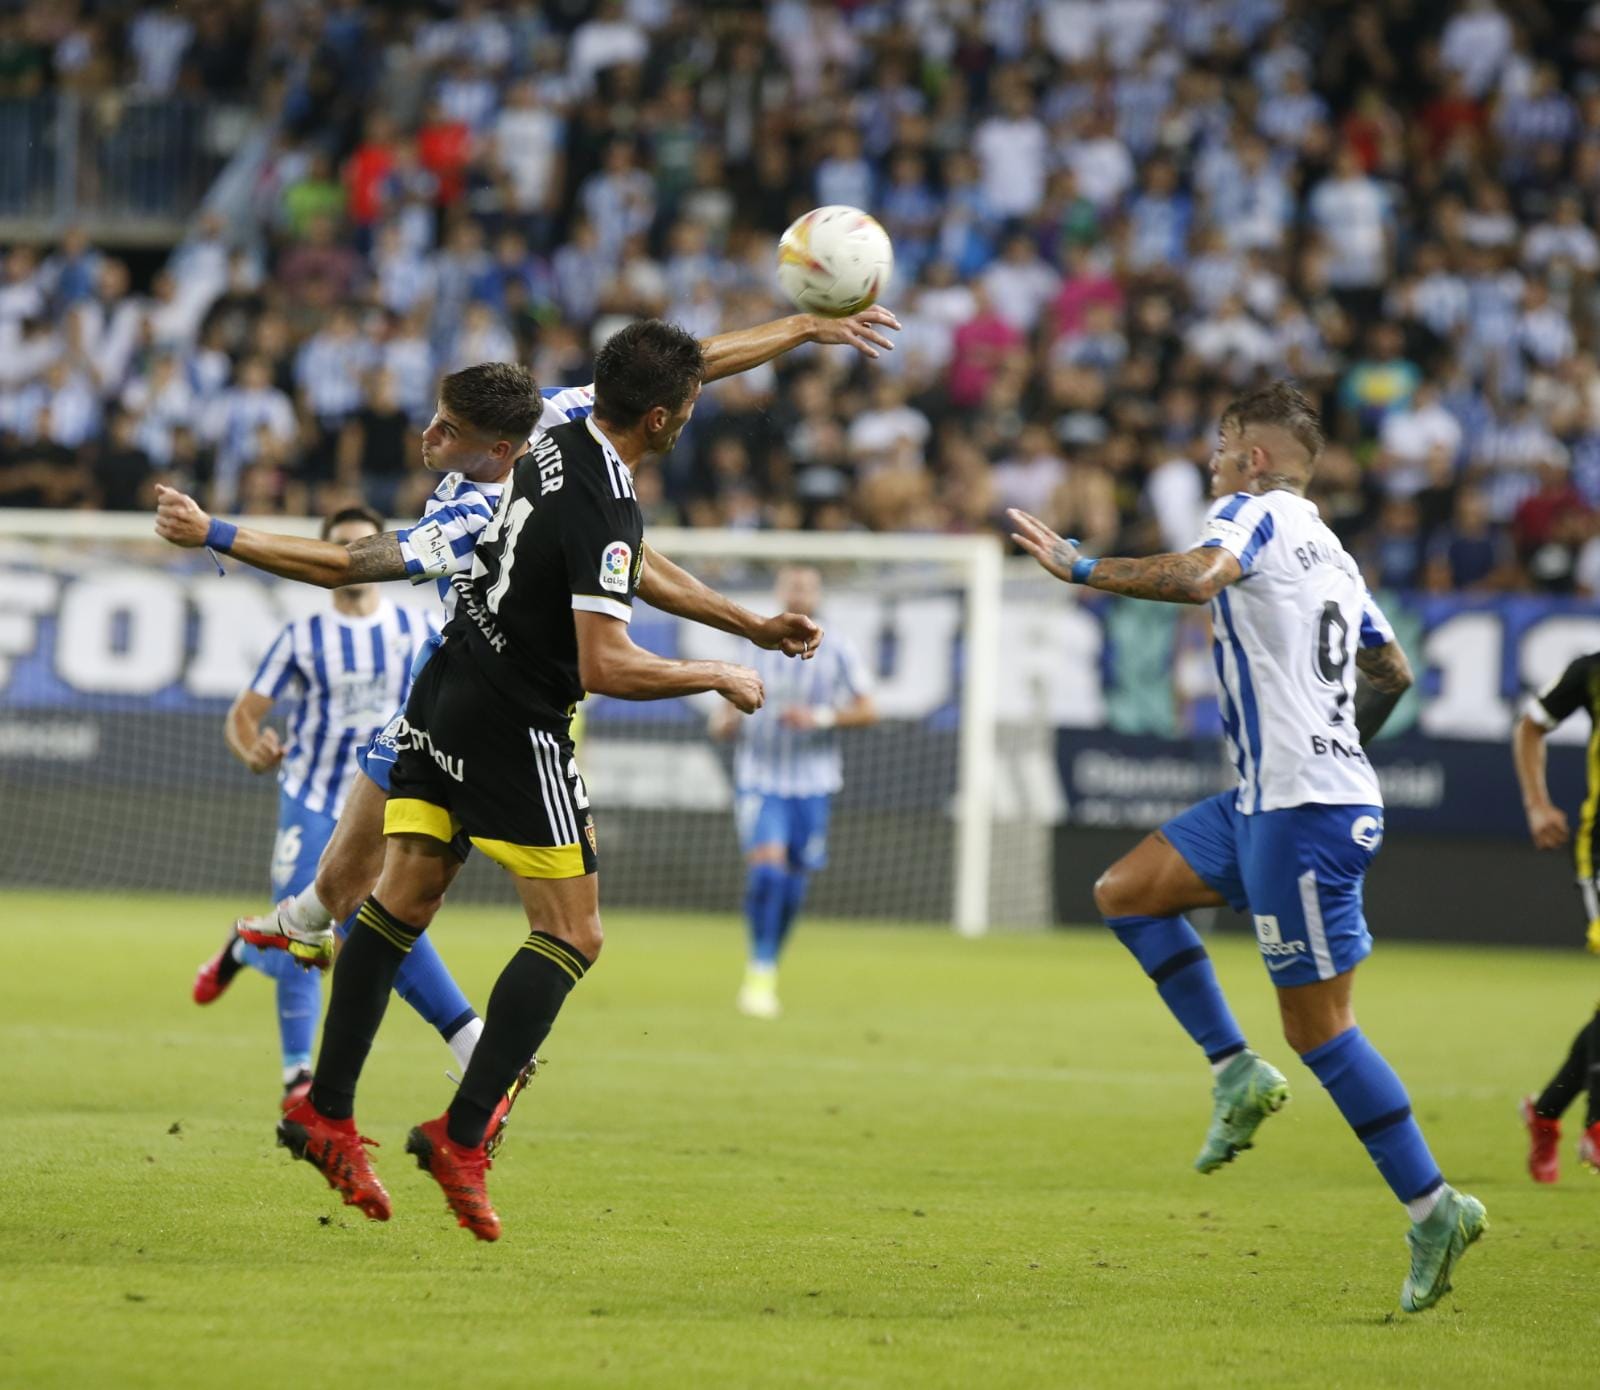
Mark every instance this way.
x=468 y=766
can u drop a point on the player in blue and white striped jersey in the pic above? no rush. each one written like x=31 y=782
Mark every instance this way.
x=1293 y=625
x=339 y=675
x=787 y=768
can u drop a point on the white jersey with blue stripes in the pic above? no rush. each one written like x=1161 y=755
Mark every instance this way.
x=1284 y=637
x=776 y=760
x=343 y=677
x=441 y=544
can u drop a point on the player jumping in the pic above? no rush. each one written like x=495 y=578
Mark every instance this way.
x=341 y=673
x=1292 y=623
x=485 y=754
x=1578 y=688
x=787 y=770
x=476 y=462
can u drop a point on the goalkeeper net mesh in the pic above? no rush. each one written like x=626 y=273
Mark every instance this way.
x=119 y=657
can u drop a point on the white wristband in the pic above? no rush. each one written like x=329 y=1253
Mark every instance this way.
x=824 y=717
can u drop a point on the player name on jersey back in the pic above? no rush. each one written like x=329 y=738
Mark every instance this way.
x=566 y=536
x=1284 y=638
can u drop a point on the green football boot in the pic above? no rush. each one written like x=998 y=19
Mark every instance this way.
x=1437 y=1242
x=1245 y=1093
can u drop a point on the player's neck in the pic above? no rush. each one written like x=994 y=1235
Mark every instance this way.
x=629 y=443
x=360 y=601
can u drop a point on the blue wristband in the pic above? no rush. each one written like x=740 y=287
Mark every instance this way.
x=1082 y=568
x=220 y=534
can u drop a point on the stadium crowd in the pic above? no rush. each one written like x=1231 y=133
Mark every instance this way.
x=1108 y=215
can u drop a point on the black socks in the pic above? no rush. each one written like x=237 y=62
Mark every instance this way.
x=526 y=999
x=1580 y=1071
x=362 y=980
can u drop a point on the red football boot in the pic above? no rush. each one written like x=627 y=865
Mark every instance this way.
x=1544 y=1136
x=496 y=1130
x=1589 y=1148
x=216 y=974
x=338 y=1152
x=460 y=1172
x=297 y=1089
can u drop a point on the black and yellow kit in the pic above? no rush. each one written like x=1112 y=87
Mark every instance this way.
x=485 y=749
x=1578 y=687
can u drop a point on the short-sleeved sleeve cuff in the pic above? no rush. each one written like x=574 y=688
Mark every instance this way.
x=594 y=603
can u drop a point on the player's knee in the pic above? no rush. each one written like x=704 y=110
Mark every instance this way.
x=583 y=934
x=1113 y=893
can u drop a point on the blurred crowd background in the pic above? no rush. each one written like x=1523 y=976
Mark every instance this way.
x=1108 y=215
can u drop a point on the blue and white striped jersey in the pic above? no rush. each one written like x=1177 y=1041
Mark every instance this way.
x=344 y=677
x=779 y=761
x=1284 y=639
x=441 y=544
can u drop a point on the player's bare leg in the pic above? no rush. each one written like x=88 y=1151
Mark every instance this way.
x=1142 y=897
x=321 y=1129
x=564 y=940
x=351 y=861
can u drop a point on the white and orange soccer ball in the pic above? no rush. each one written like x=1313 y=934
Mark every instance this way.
x=835 y=261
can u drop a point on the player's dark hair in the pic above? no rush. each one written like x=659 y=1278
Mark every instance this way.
x=1283 y=404
x=498 y=398
x=345 y=514
x=646 y=364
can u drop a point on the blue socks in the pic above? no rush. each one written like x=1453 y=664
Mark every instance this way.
x=766 y=892
x=794 y=894
x=1168 y=950
x=1374 y=1103
x=426 y=984
x=299 y=999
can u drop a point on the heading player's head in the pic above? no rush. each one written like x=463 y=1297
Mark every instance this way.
x=1267 y=441
x=345 y=527
x=647 y=379
x=482 y=422
x=799 y=589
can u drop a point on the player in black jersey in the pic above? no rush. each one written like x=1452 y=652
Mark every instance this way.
x=1578 y=688
x=485 y=752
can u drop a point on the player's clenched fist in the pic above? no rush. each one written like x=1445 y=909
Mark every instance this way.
x=265 y=753
x=1547 y=825
x=793 y=634
x=179 y=518
x=741 y=687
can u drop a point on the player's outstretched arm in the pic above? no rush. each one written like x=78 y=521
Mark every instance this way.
x=1189 y=576
x=672 y=589
x=1383 y=675
x=181 y=520
x=257 y=748
x=611 y=663
x=728 y=354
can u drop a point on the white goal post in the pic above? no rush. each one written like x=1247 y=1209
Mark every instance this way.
x=885 y=591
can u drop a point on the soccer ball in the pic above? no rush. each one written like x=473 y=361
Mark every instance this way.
x=834 y=261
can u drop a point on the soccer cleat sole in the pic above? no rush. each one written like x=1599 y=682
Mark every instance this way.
x=308 y=955
x=1273 y=1099
x=420 y=1147
x=374 y=1205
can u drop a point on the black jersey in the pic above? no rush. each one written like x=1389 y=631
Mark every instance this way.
x=1578 y=688
x=568 y=535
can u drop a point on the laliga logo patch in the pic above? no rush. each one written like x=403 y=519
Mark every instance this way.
x=614 y=566
x=1367 y=831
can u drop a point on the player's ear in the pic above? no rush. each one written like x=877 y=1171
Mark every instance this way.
x=655 y=419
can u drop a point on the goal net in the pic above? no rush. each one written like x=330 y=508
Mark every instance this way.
x=119 y=656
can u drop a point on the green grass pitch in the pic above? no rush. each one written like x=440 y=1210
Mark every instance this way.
x=953 y=1163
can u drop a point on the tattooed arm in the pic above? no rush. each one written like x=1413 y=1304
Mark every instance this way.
x=181 y=520
x=1190 y=576
x=1383 y=676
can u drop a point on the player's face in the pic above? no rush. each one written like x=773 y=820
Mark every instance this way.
x=1230 y=463
x=799 y=590
x=450 y=445
x=659 y=441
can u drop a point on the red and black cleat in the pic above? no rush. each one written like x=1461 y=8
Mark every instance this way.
x=1589 y=1148
x=216 y=974
x=460 y=1172
x=496 y=1131
x=1544 y=1163
x=296 y=1089
x=339 y=1153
